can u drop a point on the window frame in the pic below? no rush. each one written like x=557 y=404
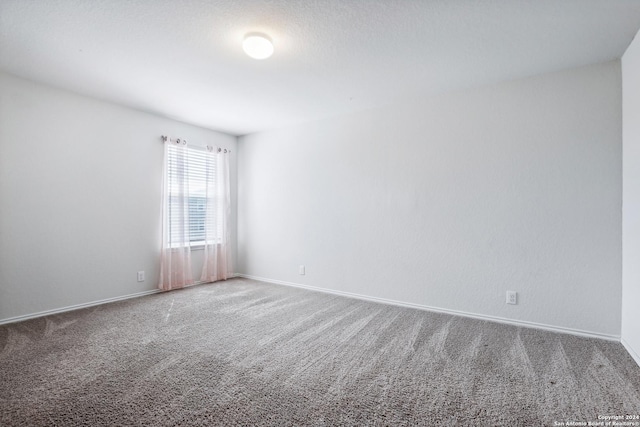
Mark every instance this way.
x=200 y=243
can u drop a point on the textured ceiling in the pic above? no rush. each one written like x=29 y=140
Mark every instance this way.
x=183 y=58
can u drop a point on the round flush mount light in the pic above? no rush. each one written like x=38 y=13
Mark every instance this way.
x=257 y=45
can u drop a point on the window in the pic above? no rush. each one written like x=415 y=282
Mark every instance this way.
x=187 y=174
x=196 y=206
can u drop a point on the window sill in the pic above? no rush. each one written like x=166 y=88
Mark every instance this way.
x=196 y=246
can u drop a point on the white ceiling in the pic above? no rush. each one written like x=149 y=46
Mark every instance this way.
x=183 y=58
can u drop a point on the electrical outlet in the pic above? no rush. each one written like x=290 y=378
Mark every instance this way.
x=512 y=297
x=301 y=270
x=140 y=276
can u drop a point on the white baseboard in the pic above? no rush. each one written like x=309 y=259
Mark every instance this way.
x=89 y=304
x=522 y=323
x=75 y=307
x=631 y=351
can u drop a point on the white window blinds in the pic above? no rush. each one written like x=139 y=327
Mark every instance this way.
x=191 y=174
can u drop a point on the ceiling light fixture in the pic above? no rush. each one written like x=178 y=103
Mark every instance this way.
x=257 y=45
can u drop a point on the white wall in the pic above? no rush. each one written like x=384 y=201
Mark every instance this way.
x=631 y=199
x=450 y=201
x=80 y=184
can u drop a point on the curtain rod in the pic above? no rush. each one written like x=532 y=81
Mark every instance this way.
x=165 y=138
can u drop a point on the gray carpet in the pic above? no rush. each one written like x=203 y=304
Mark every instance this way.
x=248 y=353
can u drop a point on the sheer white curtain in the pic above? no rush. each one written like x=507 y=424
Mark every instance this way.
x=195 y=213
x=175 y=260
x=217 y=259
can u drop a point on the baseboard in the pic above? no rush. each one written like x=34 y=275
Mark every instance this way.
x=76 y=307
x=90 y=304
x=631 y=351
x=522 y=323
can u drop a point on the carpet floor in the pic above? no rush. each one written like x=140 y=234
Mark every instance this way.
x=248 y=353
